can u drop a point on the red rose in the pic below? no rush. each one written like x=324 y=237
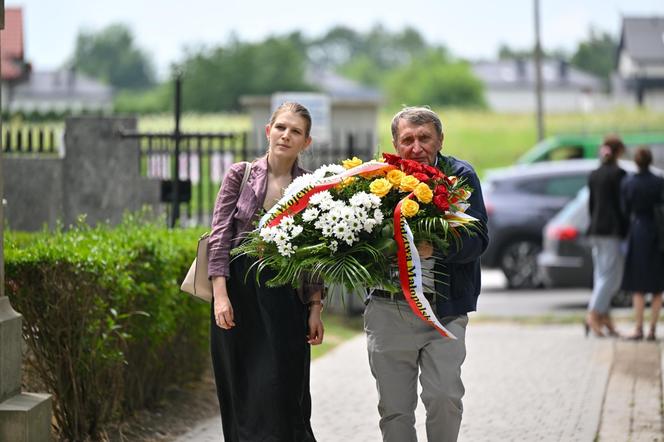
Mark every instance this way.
x=432 y=171
x=392 y=159
x=441 y=202
x=411 y=167
x=423 y=177
x=440 y=190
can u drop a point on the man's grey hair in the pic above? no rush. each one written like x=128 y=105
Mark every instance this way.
x=418 y=115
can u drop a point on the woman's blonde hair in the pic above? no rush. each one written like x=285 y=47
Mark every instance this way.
x=296 y=108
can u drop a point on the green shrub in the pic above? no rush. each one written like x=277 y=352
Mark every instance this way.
x=104 y=319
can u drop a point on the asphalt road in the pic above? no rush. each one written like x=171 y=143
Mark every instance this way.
x=496 y=300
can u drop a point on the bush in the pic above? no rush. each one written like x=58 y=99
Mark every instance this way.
x=104 y=319
x=435 y=81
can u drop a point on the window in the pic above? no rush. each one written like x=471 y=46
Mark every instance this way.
x=567 y=185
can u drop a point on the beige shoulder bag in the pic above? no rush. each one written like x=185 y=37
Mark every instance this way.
x=197 y=282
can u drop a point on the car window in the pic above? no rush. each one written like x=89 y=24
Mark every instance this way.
x=567 y=185
x=576 y=211
x=566 y=153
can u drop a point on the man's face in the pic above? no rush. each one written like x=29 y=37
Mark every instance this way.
x=419 y=143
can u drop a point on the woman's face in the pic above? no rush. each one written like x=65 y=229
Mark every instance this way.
x=287 y=136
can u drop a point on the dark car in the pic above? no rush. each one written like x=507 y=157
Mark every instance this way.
x=520 y=200
x=566 y=258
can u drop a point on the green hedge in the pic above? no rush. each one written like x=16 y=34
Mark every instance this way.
x=106 y=324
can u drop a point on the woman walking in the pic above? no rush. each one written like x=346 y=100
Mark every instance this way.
x=260 y=336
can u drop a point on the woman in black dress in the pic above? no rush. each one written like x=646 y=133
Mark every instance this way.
x=644 y=266
x=260 y=336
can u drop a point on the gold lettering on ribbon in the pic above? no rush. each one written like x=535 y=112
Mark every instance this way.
x=411 y=271
x=290 y=202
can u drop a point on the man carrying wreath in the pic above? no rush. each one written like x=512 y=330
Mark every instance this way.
x=401 y=345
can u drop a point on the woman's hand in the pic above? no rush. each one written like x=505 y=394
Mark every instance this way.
x=316 y=330
x=223 y=309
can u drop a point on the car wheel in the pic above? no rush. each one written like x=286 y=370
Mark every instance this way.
x=518 y=261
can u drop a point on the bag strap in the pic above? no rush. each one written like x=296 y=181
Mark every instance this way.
x=245 y=177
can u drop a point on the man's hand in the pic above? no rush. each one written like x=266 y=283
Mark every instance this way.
x=425 y=249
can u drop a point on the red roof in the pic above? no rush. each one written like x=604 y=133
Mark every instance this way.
x=11 y=44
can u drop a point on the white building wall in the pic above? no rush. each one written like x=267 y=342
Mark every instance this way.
x=554 y=101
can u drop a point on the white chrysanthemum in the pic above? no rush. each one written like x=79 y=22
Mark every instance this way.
x=378 y=216
x=281 y=237
x=310 y=214
x=355 y=225
x=320 y=197
x=347 y=213
x=369 y=225
x=361 y=216
x=267 y=234
x=340 y=229
x=359 y=200
x=328 y=169
x=287 y=222
x=333 y=246
x=300 y=182
x=285 y=249
x=295 y=231
x=374 y=200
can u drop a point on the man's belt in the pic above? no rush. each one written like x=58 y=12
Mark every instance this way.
x=431 y=297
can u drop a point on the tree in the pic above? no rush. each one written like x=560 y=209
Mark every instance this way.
x=214 y=79
x=597 y=54
x=110 y=55
x=366 y=57
x=435 y=80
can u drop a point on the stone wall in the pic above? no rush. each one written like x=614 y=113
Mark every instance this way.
x=98 y=175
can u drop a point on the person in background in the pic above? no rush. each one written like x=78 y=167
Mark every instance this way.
x=401 y=345
x=260 y=336
x=607 y=229
x=644 y=263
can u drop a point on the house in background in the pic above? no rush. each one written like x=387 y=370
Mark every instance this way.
x=14 y=67
x=59 y=91
x=639 y=76
x=509 y=86
x=346 y=111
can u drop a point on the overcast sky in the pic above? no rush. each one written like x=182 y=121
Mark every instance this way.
x=469 y=28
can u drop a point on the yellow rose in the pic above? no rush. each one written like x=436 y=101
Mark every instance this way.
x=345 y=182
x=395 y=176
x=380 y=187
x=423 y=193
x=408 y=183
x=353 y=162
x=409 y=208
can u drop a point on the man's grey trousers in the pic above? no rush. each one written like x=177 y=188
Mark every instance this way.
x=401 y=346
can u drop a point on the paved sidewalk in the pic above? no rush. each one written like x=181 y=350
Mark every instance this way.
x=545 y=383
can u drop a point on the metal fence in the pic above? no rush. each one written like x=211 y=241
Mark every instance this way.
x=204 y=158
x=31 y=139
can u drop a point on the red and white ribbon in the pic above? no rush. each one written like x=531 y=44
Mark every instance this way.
x=410 y=272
